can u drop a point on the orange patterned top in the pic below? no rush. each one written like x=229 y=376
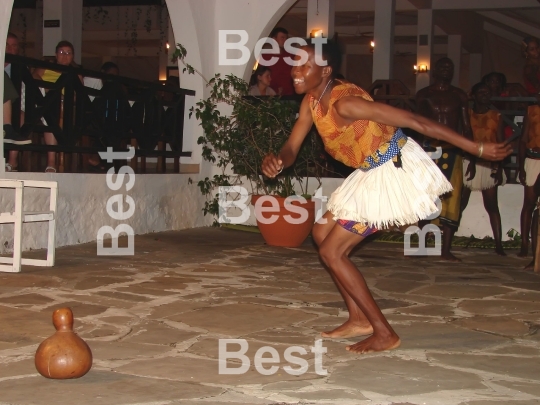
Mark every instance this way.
x=533 y=118
x=352 y=144
x=484 y=126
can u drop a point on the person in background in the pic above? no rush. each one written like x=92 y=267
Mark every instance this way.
x=531 y=71
x=10 y=135
x=529 y=170
x=487 y=126
x=282 y=82
x=447 y=105
x=259 y=84
x=64 y=54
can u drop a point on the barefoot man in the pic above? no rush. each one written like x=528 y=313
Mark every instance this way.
x=448 y=105
x=396 y=183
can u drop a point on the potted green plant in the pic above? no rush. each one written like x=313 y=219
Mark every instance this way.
x=237 y=143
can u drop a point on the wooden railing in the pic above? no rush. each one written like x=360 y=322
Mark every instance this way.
x=124 y=112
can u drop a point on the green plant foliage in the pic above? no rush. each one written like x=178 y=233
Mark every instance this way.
x=238 y=142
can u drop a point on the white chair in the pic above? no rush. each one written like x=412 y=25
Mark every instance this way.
x=18 y=217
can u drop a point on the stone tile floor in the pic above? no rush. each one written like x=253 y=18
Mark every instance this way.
x=153 y=322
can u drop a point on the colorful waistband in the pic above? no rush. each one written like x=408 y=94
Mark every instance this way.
x=386 y=152
x=532 y=154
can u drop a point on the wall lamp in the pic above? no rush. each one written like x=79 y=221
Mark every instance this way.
x=316 y=33
x=372 y=46
x=420 y=69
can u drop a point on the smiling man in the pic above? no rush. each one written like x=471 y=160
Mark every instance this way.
x=384 y=191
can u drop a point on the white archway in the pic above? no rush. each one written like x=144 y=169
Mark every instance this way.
x=196 y=25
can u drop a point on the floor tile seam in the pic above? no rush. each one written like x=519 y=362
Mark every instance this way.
x=485 y=375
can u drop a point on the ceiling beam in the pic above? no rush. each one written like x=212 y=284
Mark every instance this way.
x=464 y=23
x=511 y=22
x=483 y=4
x=421 y=4
x=501 y=32
x=399 y=30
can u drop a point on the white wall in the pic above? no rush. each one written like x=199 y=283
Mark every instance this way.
x=162 y=202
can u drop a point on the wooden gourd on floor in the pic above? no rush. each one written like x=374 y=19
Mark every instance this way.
x=63 y=355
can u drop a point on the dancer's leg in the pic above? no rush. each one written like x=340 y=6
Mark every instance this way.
x=357 y=324
x=334 y=251
x=491 y=204
x=529 y=202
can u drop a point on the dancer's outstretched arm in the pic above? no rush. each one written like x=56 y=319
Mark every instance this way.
x=350 y=109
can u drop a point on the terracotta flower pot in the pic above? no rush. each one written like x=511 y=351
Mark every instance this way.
x=283 y=221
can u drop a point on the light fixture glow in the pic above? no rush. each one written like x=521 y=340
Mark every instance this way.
x=316 y=33
x=422 y=68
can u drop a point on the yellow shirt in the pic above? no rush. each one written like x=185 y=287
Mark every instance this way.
x=352 y=144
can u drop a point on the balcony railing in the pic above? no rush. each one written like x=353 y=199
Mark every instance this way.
x=124 y=112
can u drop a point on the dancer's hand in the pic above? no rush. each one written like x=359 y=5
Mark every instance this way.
x=272 y=165
x=471 y=171
x=495 y=151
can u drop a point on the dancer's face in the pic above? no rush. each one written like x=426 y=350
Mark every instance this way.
x=532 y=50
x=444 y=69
x=482 y=95
x=494 y=83
x=309 y=76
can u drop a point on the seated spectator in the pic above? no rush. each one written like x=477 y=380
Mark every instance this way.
x=109 y=68
x=64 y=56
x=10 y=135
x=259 y=84
x=10 y=94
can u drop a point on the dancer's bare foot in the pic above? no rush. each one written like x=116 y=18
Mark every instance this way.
x=530 y=266
x=500 y=251
x=375 y=343
x=449 y=257
x=347 y=330
x=524 y=251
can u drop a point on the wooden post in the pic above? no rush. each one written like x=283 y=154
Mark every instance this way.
x=537 y=247
x=133 y=162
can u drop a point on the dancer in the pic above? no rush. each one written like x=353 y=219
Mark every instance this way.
x=448 y=105
x=396 y=182
x=481 y=175
x=529 y=170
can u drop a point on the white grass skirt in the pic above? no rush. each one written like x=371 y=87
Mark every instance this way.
x=482 y=179
x=532 y=170
x=390 y=196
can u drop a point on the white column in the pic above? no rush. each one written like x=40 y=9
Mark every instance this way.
x=383 y=54
x=38 y=28
x=68 y=15
x=321 y=16
x=424 y=46
x=475 y=68
x=454 y=53
x=164 y=54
